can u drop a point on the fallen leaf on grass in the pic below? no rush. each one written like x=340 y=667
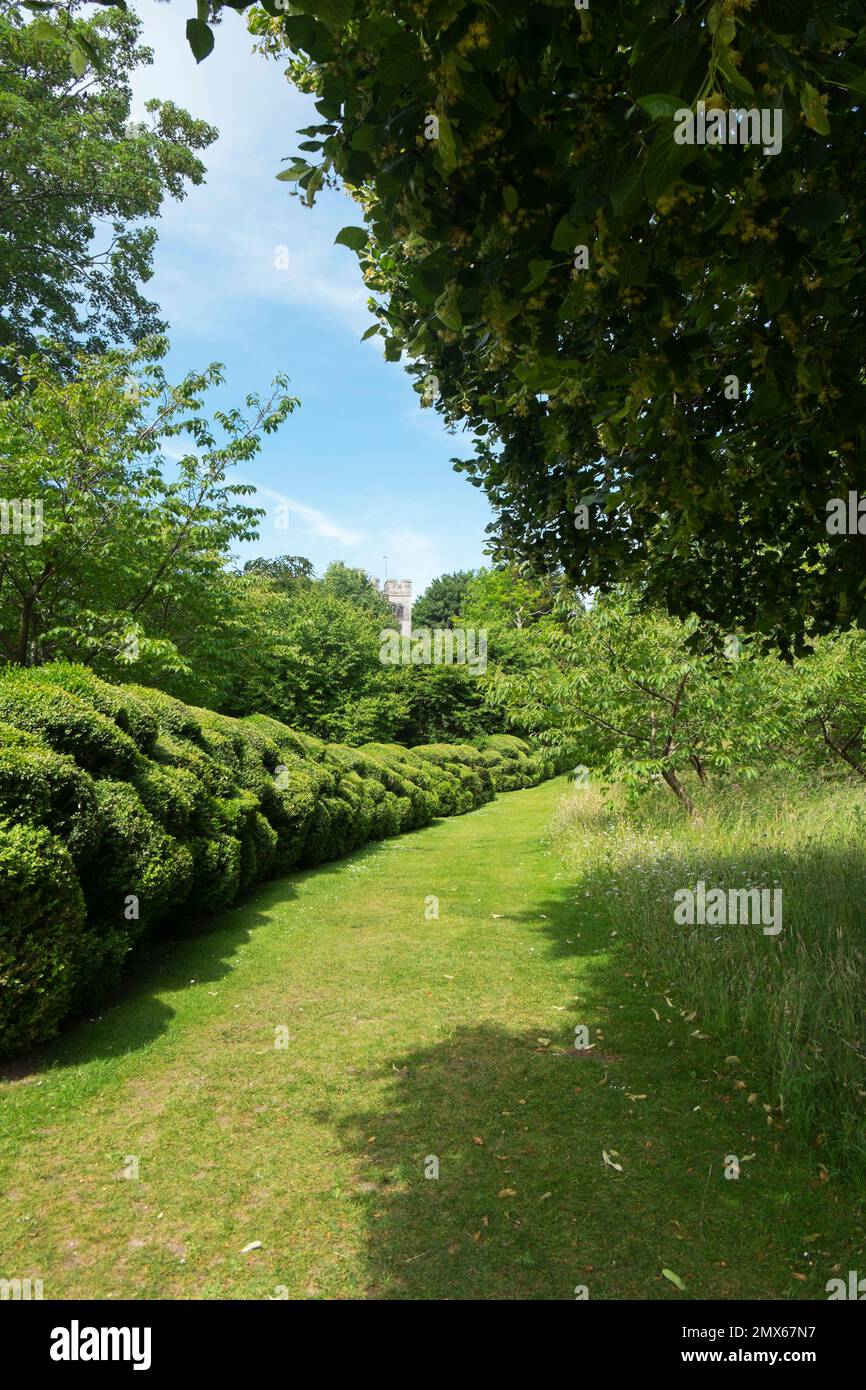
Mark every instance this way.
x=609 y=1161
x=507 y=1192
x=674 y=1279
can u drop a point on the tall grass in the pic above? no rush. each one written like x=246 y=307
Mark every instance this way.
x=793 y=1004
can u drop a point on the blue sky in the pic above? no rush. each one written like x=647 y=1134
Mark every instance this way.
x=365 y=468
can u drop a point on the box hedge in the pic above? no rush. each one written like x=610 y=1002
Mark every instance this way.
x=123 y=810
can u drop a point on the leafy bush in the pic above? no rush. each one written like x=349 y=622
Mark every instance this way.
x=40 y=787
x=121 y=704
x=122 y=808
x=67 y=723
x=42 y=934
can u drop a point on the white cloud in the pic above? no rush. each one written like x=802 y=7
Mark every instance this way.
x=224 y=234
x=317 y=523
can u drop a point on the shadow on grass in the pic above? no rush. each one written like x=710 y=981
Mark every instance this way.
x=526 y=1207
x=133 y=1015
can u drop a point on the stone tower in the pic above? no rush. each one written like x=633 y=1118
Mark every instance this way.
x=398 y=592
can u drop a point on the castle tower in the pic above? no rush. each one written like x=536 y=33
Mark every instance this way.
x=398 y=592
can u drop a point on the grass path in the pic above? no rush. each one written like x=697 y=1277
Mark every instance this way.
x=407 y=1038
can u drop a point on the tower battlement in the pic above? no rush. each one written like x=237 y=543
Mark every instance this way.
x=398 y=592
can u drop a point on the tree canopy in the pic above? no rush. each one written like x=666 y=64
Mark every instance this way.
x=441 y=601
x=77 y=179
x=663 y=333
x=116 y=554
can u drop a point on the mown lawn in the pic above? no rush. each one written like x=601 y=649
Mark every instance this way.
x=410 y=1038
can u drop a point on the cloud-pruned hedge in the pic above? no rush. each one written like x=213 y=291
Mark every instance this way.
x=122 y=809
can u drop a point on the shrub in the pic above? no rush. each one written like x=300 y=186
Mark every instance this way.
x=118 y=703
x=170 y=714
x=172 y=795
x=42 y=934
x=65 y=722
x=148 y=810
x=40 y=787
x=216 y=872
x=136 y=860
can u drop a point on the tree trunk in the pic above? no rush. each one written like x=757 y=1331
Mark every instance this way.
x=841 y=749
x=24 y=630
x=842 y=752
x=678 y=789
x=700 y=769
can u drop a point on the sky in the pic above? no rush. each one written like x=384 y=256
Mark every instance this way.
x=247 y=276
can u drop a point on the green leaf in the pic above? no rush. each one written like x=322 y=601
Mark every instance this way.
x=815 y=212
x=766 y=400
x=353 y=237
x=89 y=49
x=447 y=309
x=539 y=376
x=659 y=105
x=674 y=1279
x=665 y=161
x=296 y=170
x=625 y=195
x=732 y=74
x=77 y=59
x=200 y=38
x=783 y=16
x=335 y=14
x=374 y=328
x=509 y=197
x=43 y=29
x=813 y=109
x=538 y=273
x=446 y=146
x=776 y=291
x=663 y=67
x=565 y=235
x=632 y=266
x=364 y=138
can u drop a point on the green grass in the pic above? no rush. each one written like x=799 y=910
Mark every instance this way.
x=795 y=1001
x=411 y=1038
